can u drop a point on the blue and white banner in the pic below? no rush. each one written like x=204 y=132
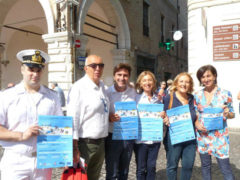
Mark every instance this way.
x=127 y=127
x=54 y=144
x=213 y=118
x=150 y=122
x=181 y=127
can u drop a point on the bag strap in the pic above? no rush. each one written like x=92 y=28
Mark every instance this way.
x=170 y=101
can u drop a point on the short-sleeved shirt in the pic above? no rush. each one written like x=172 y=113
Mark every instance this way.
x=215 y=142
x=19 y=110
x=114 y=96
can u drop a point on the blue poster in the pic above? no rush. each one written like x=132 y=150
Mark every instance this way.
x=181 y=127
x=54 y=144
x=127 y=127
x=213 y=118
x=150 y=122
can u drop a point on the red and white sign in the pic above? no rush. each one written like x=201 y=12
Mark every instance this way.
x=77 y=43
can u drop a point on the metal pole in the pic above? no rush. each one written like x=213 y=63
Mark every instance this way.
x=177 y=29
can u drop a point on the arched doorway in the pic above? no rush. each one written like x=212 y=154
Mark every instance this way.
x=105 y=26
x=23 y=24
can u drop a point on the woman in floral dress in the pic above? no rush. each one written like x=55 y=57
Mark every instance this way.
x=213 y=142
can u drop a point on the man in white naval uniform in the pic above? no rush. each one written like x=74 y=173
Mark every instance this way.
x=19 y=110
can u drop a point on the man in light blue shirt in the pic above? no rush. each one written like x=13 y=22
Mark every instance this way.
x=118 y=153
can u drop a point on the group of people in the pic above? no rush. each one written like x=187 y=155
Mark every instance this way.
x=91 y=105
x=164 y=89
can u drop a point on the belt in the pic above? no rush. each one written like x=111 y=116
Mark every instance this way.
x=91 y=141
x=32 y=154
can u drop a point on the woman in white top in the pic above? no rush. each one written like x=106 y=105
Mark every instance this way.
x=146 y=152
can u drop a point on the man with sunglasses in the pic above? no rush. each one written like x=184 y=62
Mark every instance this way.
x=119 y=152
x=89 y=106
x=19 y=109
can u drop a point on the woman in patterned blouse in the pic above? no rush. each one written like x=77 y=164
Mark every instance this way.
x=213 y=142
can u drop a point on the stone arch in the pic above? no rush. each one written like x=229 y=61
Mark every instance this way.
x=117 y=17
x=21 y=19
x=48 y=14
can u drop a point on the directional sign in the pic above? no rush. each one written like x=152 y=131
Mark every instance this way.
x=226 y=42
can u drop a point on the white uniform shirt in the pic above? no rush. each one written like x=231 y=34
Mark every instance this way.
x=143 y=99
x=114 y=96
x=89 y=107
x=20 y=109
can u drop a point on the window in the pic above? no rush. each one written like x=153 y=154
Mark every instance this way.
x=145 y=19
x=145 y=63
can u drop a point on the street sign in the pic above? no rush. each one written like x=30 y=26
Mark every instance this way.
x=81 y=62
x=77 y=43
x=226 y=42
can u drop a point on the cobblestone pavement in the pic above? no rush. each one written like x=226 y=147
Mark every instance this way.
x=161 y=164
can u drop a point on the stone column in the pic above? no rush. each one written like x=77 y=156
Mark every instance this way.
x=121 y=56
x=60 y=67
x=124 y=56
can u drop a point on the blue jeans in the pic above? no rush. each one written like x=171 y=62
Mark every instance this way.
x=118 y=154
x=223 y=164
x=146 y=157
x=186 y=151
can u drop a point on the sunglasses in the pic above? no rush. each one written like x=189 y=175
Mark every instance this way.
x=94 y=65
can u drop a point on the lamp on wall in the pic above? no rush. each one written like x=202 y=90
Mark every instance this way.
x=3 y=58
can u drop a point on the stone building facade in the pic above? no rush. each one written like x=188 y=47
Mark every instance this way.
x=214 y=33
x=119 y=31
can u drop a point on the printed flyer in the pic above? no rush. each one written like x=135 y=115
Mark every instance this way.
x=181 y=127
x=213 y=118
x=127 y=127
x=54 y=144
x=150 y=122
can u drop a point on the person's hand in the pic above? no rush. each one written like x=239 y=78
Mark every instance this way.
x=114 y=117
x=31 y=131
x=166 y=121
x=200 y=126
x=160 y=97
x=76 y=155
x=163 y=114
x=225 y=111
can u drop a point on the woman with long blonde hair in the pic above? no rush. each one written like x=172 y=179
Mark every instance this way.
x=180 y=95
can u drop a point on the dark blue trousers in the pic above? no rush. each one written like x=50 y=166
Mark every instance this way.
x=223 y=164
x=146 y=157
x=118 y=154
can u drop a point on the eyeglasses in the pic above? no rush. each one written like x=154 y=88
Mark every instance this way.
x=94 y=65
